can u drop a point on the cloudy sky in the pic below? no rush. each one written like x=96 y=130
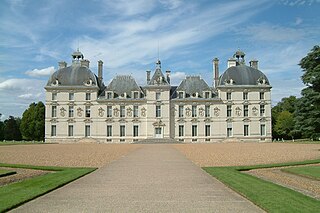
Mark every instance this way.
x=36 y=35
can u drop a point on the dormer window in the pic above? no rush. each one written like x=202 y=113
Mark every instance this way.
x=207 y=94
x=71 y=96
x=135 y=95
x=158 y=94
x=228 y=95
x=180 y=94
x=109 y=95
x=54 y=96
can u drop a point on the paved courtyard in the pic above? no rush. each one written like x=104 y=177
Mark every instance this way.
x=152 y=178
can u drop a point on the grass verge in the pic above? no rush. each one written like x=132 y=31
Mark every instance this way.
x=6 y=143
x=267 y=195
x=312 y=172
x=15 y=194
x=4 y=173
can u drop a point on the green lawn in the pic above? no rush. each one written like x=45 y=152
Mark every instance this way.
x=267 y=195
x=15 y=194
x=5 y=143
x=4 y=173
x=306 y=171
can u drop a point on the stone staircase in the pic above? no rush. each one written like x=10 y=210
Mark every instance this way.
x=157 y=141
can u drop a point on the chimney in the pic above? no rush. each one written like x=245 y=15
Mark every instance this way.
x=148 y=76
x=232 y=62
x=85 y=63
x=62 y=64
x=216 y=71
x=100 y=64
x=254 y=63
x=168 y=75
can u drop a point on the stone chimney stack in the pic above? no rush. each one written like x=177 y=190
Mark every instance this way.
x=85 y=63
x=168 y=75
x=62 y=64
x=100 y=74
x=254 y=63
x=216 y=71
x=148 y=76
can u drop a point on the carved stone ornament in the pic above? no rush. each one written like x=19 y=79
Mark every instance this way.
x=238 y=111
x=79 y=112
x=129 y=112
x=143 y=112
x=101 y=112
x=188 y=111
x=201 y=111
x=255 y=111
x=216 y=111
x=63 y=112
x=116 y=112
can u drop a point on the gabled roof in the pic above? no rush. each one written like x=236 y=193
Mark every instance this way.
x=158 y=78
x=192 y=85
x=123 y=84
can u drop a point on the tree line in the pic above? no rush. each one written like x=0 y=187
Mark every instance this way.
x=300 y=117
x=30 y=127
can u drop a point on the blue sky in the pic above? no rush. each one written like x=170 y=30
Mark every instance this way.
x=36 y=35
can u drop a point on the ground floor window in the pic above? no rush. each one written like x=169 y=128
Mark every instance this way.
x=135 y=131
x=181 y=130
x=122 y=130
x=109 y=130
x=207 y=130
x=229 y=132
x=262 y=129
x=53 y=130
x=194 y=130
x=245 y=130
x=87 y=131
x=70 y=130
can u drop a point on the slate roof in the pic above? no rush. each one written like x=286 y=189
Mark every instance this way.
x=123 y=84
x=192 y=85
x=158 y=78
x=242 y=75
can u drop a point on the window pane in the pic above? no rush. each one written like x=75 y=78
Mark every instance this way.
x=245 y=111
x=87 y=131
x=70 y=130
x=207 y=111
x=261 y=95
x=181 y=130
x=180 y=111
x=88 y=96
x=262 y=129
x=109 y=130
x=88 y=111
x=109 y=111
x=229 y=111
x=53 y=130
x=71 y=111
x=228 y=95
x=207 y=130
x=122 y=111
x=135 y=111
x=158 y=111
x=194 y=130
x=54 y=111
x=262 y=110
x=245 y=96
x=194 y=111
x=122 y=131
x=71 y=96
x=246 y=130
x=229 y=132
x=135 y=131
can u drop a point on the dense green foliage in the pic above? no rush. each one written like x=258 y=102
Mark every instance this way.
x=306 y=171
x=15 y=194
x=269 y=196
x=33 y=122
x=9 y=129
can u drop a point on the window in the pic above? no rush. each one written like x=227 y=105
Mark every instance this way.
x=262 y=110
x=122 y=111
x=245 y=96
x=88 y=96
x=180 y=94
x=54 y=96
x=88 y=111
x=158 y=111
x=194 y=130
x=207 y=110
x=70 y=130
x=158 y=95
x=180 y=111
x=54 y=111
x=122 y=130
x=229 y=132
x=109 y=95
x=245 y=111
x=71 y=96
x=245 y=130
x=207 y=94
x=261 y=95
x=194 y=111
x=229 y=111
x=109 y=111
x=207 y=130
x=53 y=130
x=262 y=129
x=228 y=95
x=135 y=111
x=87 y=131
x=135 y=95
x=71 y=111
x=181 y=130
x=135 y=131
x=109 y=131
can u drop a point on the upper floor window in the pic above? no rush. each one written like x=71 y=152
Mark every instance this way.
x=54 y=111
x=261 y=95
x=71 y=111
x=71 y=96
x=88 y=96
x=262 y=110
x=245 y=96
x=228 y=95
x=194 y=111
x=229 y=111
x=158 y=111
x=122 y=111
x=207 y=94
x=135 y=95
x=245 y=111
x=180 y=94
x=109 y=95
x=158 y=95
x=135 y=111
x=180 y=111
x=109 y=111
x=207 y=111
x=54 y=96
x=88 y=111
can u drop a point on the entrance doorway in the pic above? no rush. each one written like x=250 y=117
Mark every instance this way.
x=158 y=132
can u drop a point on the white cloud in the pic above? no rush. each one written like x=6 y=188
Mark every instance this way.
x=40 y=73
x=177 y=77
x=30 y=96
x=298 y=2
x=171 y=4
x=298 y=21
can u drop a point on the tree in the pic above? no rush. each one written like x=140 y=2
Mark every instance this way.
x=285 y=125
x=11 y=129
x=1 y=130
x=33 y=122
x=308 y=107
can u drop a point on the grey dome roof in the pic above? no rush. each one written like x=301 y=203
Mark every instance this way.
x=243 y=75
x=73 y=76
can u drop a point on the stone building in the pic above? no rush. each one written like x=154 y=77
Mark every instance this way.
x=80 y=107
